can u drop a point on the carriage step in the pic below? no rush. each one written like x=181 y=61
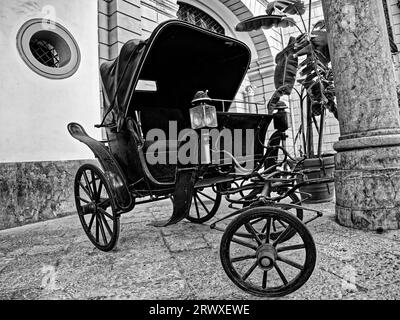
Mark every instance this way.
x=212 y=181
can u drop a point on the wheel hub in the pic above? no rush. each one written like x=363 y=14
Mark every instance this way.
x=266 y=256
x=89 y=208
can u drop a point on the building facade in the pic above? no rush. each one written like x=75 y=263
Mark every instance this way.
x=51 y=51
x=49 y=77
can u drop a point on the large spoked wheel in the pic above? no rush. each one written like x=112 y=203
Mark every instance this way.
x=205 y=205
x=263 y=266
x=277 y=226
x=96 y=208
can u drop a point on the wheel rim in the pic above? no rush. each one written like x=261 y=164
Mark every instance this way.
x=204 y=206
x=264 y=266
x=95 y=208
x=278 y=226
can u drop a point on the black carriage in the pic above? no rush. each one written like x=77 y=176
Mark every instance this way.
x=161 y=84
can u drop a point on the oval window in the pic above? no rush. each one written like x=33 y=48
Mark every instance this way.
x=48 y=48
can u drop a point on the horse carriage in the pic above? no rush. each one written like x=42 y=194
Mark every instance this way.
x=164 y=142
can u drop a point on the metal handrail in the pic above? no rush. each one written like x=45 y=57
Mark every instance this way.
x=237 y=101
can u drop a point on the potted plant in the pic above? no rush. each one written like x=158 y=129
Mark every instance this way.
x=304 y=67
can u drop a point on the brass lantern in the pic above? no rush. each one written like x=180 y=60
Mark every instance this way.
x=203 y=114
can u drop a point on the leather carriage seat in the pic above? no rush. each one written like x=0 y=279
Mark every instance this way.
x=159 y=118
x=162 y=145
x=159 y=146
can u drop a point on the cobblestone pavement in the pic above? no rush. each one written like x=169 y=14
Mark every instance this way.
x=55 y=260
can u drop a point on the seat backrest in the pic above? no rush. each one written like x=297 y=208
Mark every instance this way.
x=159 y=118
x=242 y=122
x=157 y=175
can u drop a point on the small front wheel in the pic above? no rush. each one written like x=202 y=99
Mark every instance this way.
x=96 y=208
x=263 y=265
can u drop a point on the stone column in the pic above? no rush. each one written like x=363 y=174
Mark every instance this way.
x=251 y=107
x=368 y=160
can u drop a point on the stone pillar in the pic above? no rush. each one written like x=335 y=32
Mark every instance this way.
x=368 y=160
x=249 y=92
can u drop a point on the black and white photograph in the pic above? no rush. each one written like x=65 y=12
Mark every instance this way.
x=217 y=152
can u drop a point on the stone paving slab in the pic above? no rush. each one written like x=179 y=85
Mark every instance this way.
x=55 y=260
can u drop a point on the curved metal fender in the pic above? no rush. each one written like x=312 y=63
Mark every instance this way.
x=183 y=194
x=113 y=172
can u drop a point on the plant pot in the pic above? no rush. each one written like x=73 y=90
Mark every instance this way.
x=320 y=168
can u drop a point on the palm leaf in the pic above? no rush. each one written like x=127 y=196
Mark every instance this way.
x=276 y=97
x=320 y=25
x=322 y=95
x=265 y=22
x=286 y=6
x=320 y=43
x=286 y=67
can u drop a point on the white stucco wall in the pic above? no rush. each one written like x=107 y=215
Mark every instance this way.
x=34 y=111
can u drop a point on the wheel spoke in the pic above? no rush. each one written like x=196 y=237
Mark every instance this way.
x=106 y=223
x=197 y=207
x=250 y=271
x=264 y=281
x=243 y=258
x=204 y=206
x=104 y=202
x=254 y=232
x=281 y=275
x=100 y=188
x=103 y=234
x=282 y=236
x=290 y=263
x=267 y=230
x=243 y=235
x=88 y=185
x=290 y=248
x=106 y=213
x=86 y=190
x=83 y=200
x=282 y=224
x=245 y=244
x=256 y=221
x=94 y=184
x=273 y=225
x=91 y=222
x=97 y=229
x=207 y=196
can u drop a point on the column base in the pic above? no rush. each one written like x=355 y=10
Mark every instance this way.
x=372 y=219
x=367 y=183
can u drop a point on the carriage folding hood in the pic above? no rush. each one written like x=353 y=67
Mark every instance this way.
x=179 y=59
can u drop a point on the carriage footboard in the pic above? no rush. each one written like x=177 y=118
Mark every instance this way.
x=116 y=179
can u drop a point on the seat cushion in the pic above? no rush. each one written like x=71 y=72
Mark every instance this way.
x=161 y=146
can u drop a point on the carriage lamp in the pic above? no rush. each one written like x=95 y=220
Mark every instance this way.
x=203 y=115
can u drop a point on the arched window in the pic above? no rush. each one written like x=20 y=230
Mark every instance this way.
x=198 y=17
